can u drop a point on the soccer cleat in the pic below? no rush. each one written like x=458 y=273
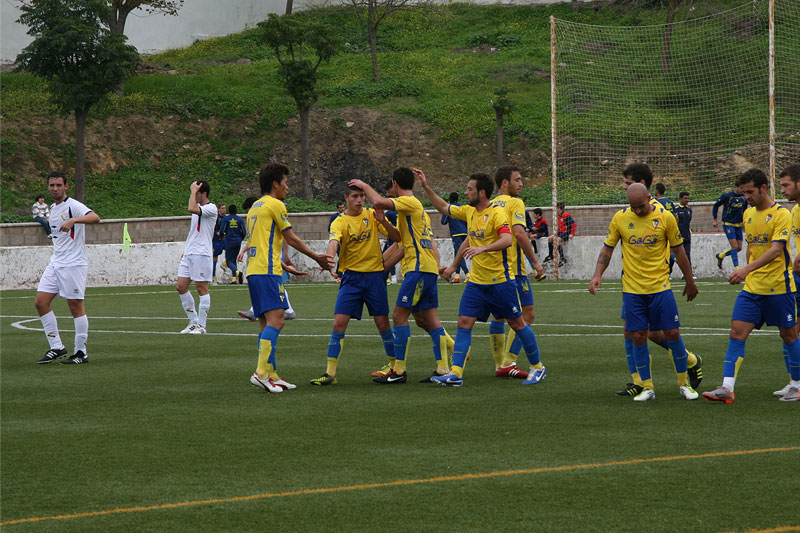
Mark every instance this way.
x=719 y=265
x=695 y=373
x=456 y=279
x=466 y=278
x=720 y=394
x=511 y=371
x=383 y=371
x=324 y=379
x=791 y=396
x=289 y=314
x=535 y=375
x=76 y=359
x=645 y=396
x=285 y=385
x=265 y=384
x=547 y=259
x=391 y=378
x=249 y=315
x=782 y=392
x=688 y=393
x=430 y=379
x=52 y=355
x=541 y=277
x=241 y=278
x=197 y=330
x=190 y=328
x=448 y=380
x=631 y=389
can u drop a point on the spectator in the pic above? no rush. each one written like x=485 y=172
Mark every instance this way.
x=566 y=229
x=458 y=233
x=41 y=214
x=539 y=228
x=337 y=214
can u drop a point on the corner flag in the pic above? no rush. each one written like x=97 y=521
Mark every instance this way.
x=126 y=239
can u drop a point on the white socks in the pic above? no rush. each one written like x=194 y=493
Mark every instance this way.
x=289 y=310
x=50 y=325
x=188 y=305
x=728 y=383
x=81 y=333
x=205 y=305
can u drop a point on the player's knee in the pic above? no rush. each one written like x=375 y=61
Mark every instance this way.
x=672 y=334
x=639 y=337
x=789 y=335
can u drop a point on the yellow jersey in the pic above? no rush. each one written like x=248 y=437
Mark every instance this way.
x=266 y=222
x=796 y=228
x=515 y=211
x=359 y=245
x=646 y=243
x=416 y=235
x=761 y=229
x=484 y=227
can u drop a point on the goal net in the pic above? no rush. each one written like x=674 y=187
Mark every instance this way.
x=690 y=99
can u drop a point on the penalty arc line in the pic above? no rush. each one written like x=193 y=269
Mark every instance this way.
x=397 y=483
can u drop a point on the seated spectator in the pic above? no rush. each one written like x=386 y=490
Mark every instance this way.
x=41 y=214
x=566 y=229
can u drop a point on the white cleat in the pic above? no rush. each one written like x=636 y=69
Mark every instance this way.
x=249 y=315
x=265 y=384
x=190 y=328
x=645 y=395
x=688 y=393
x=198 y=330
x=289 y=314
x=285 y=385
x=782 y=392
x=792 y=395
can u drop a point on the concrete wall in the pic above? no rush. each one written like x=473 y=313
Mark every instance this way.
x=157 y=263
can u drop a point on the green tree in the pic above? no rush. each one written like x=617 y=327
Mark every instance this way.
x=82 y=61
x=502 y=106
x=294 y=38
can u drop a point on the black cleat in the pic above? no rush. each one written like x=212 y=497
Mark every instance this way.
x=76 y=359
x=630 y=390
x=429 y=379
x=695 y=374
x=391 y=378
x=52 y=355
x=241 y=278
x=719 y=260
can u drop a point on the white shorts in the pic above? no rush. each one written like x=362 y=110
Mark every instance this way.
x=196 y=267
x=67 y=282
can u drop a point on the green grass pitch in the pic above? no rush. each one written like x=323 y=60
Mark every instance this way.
x=158 y=425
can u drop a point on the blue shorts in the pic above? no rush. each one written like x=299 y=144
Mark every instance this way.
x=774 y=309
x=266 y=293
x=524 y=290
x=500 y=299
x=733 y=233
x=655 y=312
x=622 y=311
x=359 y=288
x=218 y=247
x=418 y=291
x=797 y=292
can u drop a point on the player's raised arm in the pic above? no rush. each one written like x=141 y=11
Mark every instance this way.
x=372 y=195
x=437 y=201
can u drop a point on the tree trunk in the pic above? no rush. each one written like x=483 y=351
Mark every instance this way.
x=289 y=7
x=499 y=118
x=117 y=27
x=576 y=5
x=80 y=152
x=666 y=59
x=372 y=29
x=305 y=173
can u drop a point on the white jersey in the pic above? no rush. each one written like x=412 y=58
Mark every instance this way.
x=198 y=242
x=69 y=247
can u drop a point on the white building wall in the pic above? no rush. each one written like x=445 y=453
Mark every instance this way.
x=198 y=19
x=157 y=263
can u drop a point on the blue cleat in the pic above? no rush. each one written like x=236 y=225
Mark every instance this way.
x=535 y=376
x=448 y=380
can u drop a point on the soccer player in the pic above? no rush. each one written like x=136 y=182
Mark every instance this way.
x=683 y=213
x=196 y=262
x=418 y=293
x=356 y=235
x=232 y=229
x=66 y=274
x=768 y=294
x=668 y=205
x=648 y=233
x=641 y=173
x=791 y=190
x=218 y=242
x=733 y=206
x=458 y=234
x=267 y=227
x=391 y=216
x=491 y=288
x=505 y=351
